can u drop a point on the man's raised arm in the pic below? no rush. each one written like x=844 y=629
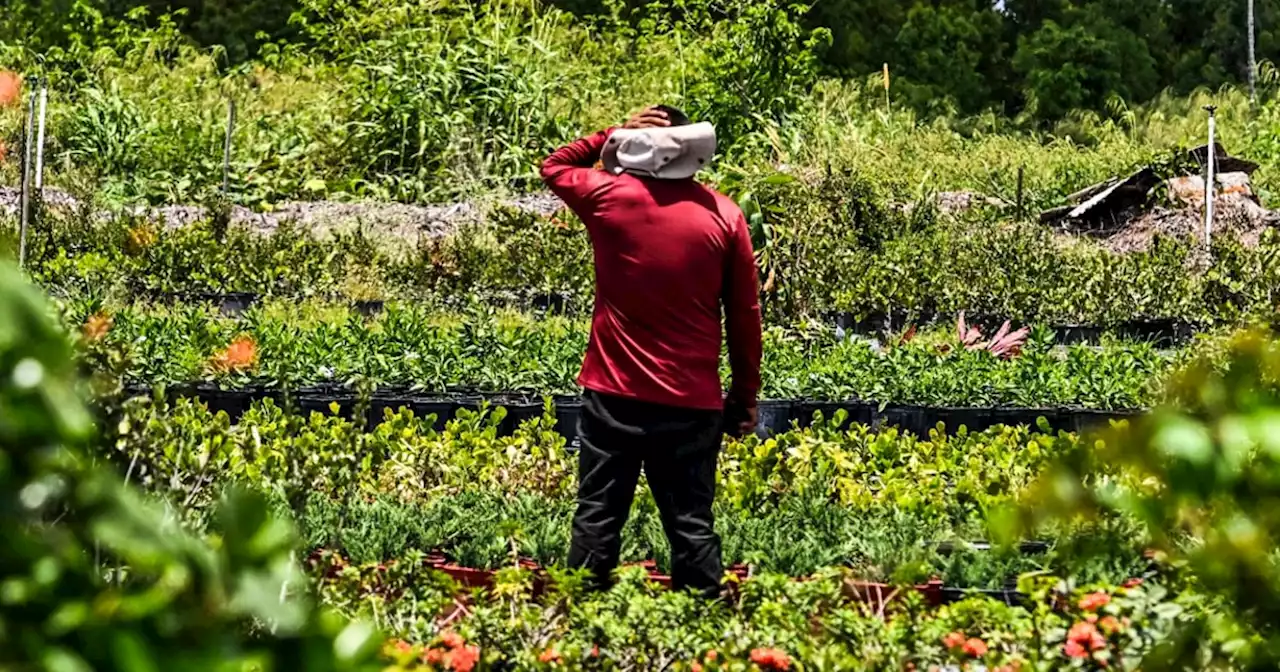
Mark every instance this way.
x=569 y=171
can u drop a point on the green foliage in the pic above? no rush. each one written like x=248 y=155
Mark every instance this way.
x=97 y=577
x=1203 y=470
x=758 y=70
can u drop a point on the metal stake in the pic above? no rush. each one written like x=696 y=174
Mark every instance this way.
x=25 y=198
x=1253 y=64
x=1210 y=185
x=226 y=148
x=44 y=104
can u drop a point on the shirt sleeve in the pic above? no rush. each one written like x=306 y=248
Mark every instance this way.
x=742 y=315
x=570 y=172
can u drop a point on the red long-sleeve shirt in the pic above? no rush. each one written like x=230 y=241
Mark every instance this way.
x=668 y=254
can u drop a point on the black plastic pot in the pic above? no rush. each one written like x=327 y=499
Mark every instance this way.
x=230 y=304
x=443 y=410
x=775 y=417
x=324 y=404
x=554 y=303
x=804 y=411
x=380 y=405
x=949 y=547
x=519 y=409
x=1012 y=598
x=369 y=308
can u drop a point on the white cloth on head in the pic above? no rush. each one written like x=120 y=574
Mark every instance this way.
x=670 y=153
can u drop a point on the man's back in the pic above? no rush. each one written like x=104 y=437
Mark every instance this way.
x=667 y=254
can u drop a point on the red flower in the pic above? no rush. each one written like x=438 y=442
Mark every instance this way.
x=975 y=647
x=771 y=659
x=1074 y=650
x=1133 y=583
x=549 y=656
x=954 y=640
x=433 y=657
x=1094 y=601
x=463 y=658
x=695 y=667
x=595 y=651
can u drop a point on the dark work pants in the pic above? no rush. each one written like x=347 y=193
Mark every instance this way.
x=677 y=448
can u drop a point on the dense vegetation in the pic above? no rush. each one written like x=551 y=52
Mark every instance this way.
x=828 y=250
x=436 y=100
x=962 y=55
x=145 y=532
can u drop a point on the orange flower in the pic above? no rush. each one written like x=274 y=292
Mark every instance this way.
x=451 y=639
x=400 y=645
x=954 y=640
x=1094 y=601
x=96 y=326
x=975 y=647
x=712 y=655
x=549 y=656
x=1087 y=635
x=433 y=657
x=1074 y=650
x=463 y=658
x=771 y=659
x=695 y=667
x=1109 y=624
x=10 y=88
x=241 y=355
x=1133 y=583
x=595 y=650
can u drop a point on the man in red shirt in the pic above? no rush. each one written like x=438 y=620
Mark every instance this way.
x=669 y=253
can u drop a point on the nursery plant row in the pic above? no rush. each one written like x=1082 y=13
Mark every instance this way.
x=526 y=259
x=1165 y=333
x=433 y=352
x=889 y=505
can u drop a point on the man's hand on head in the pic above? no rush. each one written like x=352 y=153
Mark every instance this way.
x=650 y=117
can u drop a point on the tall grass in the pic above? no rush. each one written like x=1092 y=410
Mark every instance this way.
x=436 y=100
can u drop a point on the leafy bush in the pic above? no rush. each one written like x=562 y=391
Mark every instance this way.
x=98 y=577
x=1203 y=470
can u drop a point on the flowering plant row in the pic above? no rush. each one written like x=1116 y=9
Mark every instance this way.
x=770 y=623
